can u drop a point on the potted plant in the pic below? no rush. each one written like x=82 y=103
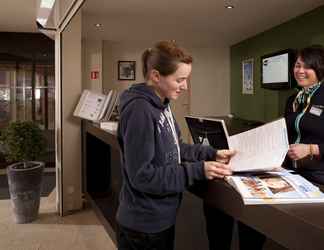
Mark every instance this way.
x=22 y=142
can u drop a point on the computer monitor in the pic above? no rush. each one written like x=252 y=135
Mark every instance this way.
x=277 y=70
x=208 y=131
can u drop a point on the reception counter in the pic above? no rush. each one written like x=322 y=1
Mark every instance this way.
x=294 y=226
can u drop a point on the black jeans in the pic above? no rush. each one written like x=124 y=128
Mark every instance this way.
x=128 y=239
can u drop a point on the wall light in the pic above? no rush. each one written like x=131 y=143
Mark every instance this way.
x=229 y=6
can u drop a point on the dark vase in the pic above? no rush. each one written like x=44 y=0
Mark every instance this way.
x=25 y=187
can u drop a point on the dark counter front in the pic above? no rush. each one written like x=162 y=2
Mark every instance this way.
x=101 y=173
x=294 y=226
x=102 y=182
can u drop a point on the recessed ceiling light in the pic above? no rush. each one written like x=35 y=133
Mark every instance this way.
x=98 y=25
x=229 y=6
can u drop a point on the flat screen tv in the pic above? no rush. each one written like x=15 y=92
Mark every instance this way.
x=277 y=70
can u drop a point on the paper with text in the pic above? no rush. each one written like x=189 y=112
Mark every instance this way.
x=91 y=105
x=260 y=149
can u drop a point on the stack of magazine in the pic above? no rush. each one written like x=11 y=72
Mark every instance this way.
x=98 y=107
x=258 y=152
x=275 y=188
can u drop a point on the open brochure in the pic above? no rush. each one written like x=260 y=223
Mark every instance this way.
x=260 y=149
x=96 y=107
x=275 y=188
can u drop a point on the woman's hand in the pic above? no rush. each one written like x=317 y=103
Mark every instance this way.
x=215 y=169
x=298 y=151
x=224 y=155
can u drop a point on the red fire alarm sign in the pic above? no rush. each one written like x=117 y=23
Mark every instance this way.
x=94 y=75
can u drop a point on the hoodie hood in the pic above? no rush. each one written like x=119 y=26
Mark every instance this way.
x=141 y=91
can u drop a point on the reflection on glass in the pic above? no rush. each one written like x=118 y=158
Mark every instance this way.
x=51 y=108
x=7 y=74
x=40 y=75
x=7 y=79
x=20 y=104
x=45 y=107
x=51 y=80
x=28 y=104
x=37 y=94
x=40 y=106
x=44 y=75
x=24 y=76
x=4 y=94
x=4 y=107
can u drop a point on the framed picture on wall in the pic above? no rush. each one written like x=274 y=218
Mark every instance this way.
x=126 y=70
x=247 y=76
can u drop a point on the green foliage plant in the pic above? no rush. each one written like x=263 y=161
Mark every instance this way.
x=22 y=141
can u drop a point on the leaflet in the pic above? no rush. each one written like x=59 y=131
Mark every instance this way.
x=260 y=149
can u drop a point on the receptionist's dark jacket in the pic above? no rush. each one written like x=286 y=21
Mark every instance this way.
x=312 y=132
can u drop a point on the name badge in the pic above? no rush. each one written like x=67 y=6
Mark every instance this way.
x=316 y=111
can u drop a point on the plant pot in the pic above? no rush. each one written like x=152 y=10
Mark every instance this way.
x=25 y=187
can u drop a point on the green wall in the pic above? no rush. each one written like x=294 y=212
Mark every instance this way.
x=266 y=105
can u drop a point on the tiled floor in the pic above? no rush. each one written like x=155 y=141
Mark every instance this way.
x=80 y=231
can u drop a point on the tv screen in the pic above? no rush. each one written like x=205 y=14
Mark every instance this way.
x=276 y=70
x=208 y=131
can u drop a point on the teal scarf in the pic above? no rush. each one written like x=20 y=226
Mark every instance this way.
x=303 y=97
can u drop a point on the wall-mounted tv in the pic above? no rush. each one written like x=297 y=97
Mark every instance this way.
x=277 y=70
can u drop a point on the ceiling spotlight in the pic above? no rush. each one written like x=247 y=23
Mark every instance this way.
x=98 y=25
x=229 y=6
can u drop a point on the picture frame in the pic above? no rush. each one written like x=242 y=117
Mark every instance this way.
x=127 y=70
x=247 y=76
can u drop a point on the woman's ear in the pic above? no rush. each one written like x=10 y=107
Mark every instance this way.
x=155 y=75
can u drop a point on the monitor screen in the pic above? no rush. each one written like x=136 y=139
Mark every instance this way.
x=208 y=131
x=276 y=70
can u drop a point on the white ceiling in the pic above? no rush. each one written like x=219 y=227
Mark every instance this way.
x=18 y=15
x=202 y=22
x=198 y=22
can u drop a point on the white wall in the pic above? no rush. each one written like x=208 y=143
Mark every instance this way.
x=210 y=82
x=91 y=62
x=71 y=126
x=114 y=52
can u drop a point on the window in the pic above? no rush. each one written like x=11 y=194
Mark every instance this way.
x=27 y=92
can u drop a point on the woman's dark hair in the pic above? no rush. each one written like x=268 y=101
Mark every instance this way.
x=313 y=57
x=164 y=57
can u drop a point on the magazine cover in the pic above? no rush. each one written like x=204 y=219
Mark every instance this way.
x=275 y=188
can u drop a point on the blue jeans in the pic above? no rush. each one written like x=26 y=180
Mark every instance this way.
x=128 y=239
